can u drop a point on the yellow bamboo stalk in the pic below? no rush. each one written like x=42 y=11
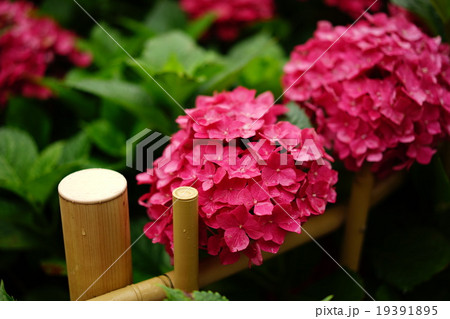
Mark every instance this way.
x=185 y=238
x=355 y=224
x=94 y=213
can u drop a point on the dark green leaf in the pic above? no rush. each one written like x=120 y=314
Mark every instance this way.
x=3 y=294
x=106 y=137
x=409 y=257
x=17 y=153
x=297 y=116
x=165 y=16
x=128 y=95
x=28 y=116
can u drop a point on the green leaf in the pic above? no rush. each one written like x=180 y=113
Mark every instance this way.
x=175 y=294
x=198 y=27
x=104 y=50
x=328 y=298
x=47 y=160
x=409 y=257
x=297 y=116
x=17 y=153
x=3 y=294
x=208 y=296
x=75 y=149
x=159 y=53
x=442 y=8
x=106 y=137
x=36 y=122
x=128 y=95
x=238 y=58
x=55 y=162
x=165 y=16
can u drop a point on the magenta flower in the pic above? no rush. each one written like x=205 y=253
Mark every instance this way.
x=242 y=177
x=232 y=15
x=355 y=8
x=29 y=45
x=380 y=94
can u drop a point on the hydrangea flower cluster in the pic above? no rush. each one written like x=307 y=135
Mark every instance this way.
x=28 y=47
x=380 y=94
x=255 y=177
x=232 y=15
x=355 y=8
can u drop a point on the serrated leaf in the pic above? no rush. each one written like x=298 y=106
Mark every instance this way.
x=297 y=116
x=175 y=294
x=3 y=294
x=208 y=296
x=409 y=257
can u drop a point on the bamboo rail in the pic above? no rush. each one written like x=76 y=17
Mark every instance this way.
x=355 y=222
x=211 y=270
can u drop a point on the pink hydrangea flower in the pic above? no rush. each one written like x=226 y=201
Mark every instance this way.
x=232 y=15
x=249 y=184
x=29 y=45
x=354 y=8
x=380 y=94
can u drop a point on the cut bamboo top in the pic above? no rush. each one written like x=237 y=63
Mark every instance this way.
x=92 y=186
x=185 y=193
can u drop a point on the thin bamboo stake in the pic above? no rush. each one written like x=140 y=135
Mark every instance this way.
x=185 y=238
x=94 y=213
x=356 y=219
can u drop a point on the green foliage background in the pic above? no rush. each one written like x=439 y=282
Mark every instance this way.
x=95 y=110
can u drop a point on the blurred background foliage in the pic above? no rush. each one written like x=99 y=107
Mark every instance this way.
x=95 y=110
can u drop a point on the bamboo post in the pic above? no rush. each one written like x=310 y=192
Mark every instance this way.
x=185 y=238
x=355 y=224
x=95 y=221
